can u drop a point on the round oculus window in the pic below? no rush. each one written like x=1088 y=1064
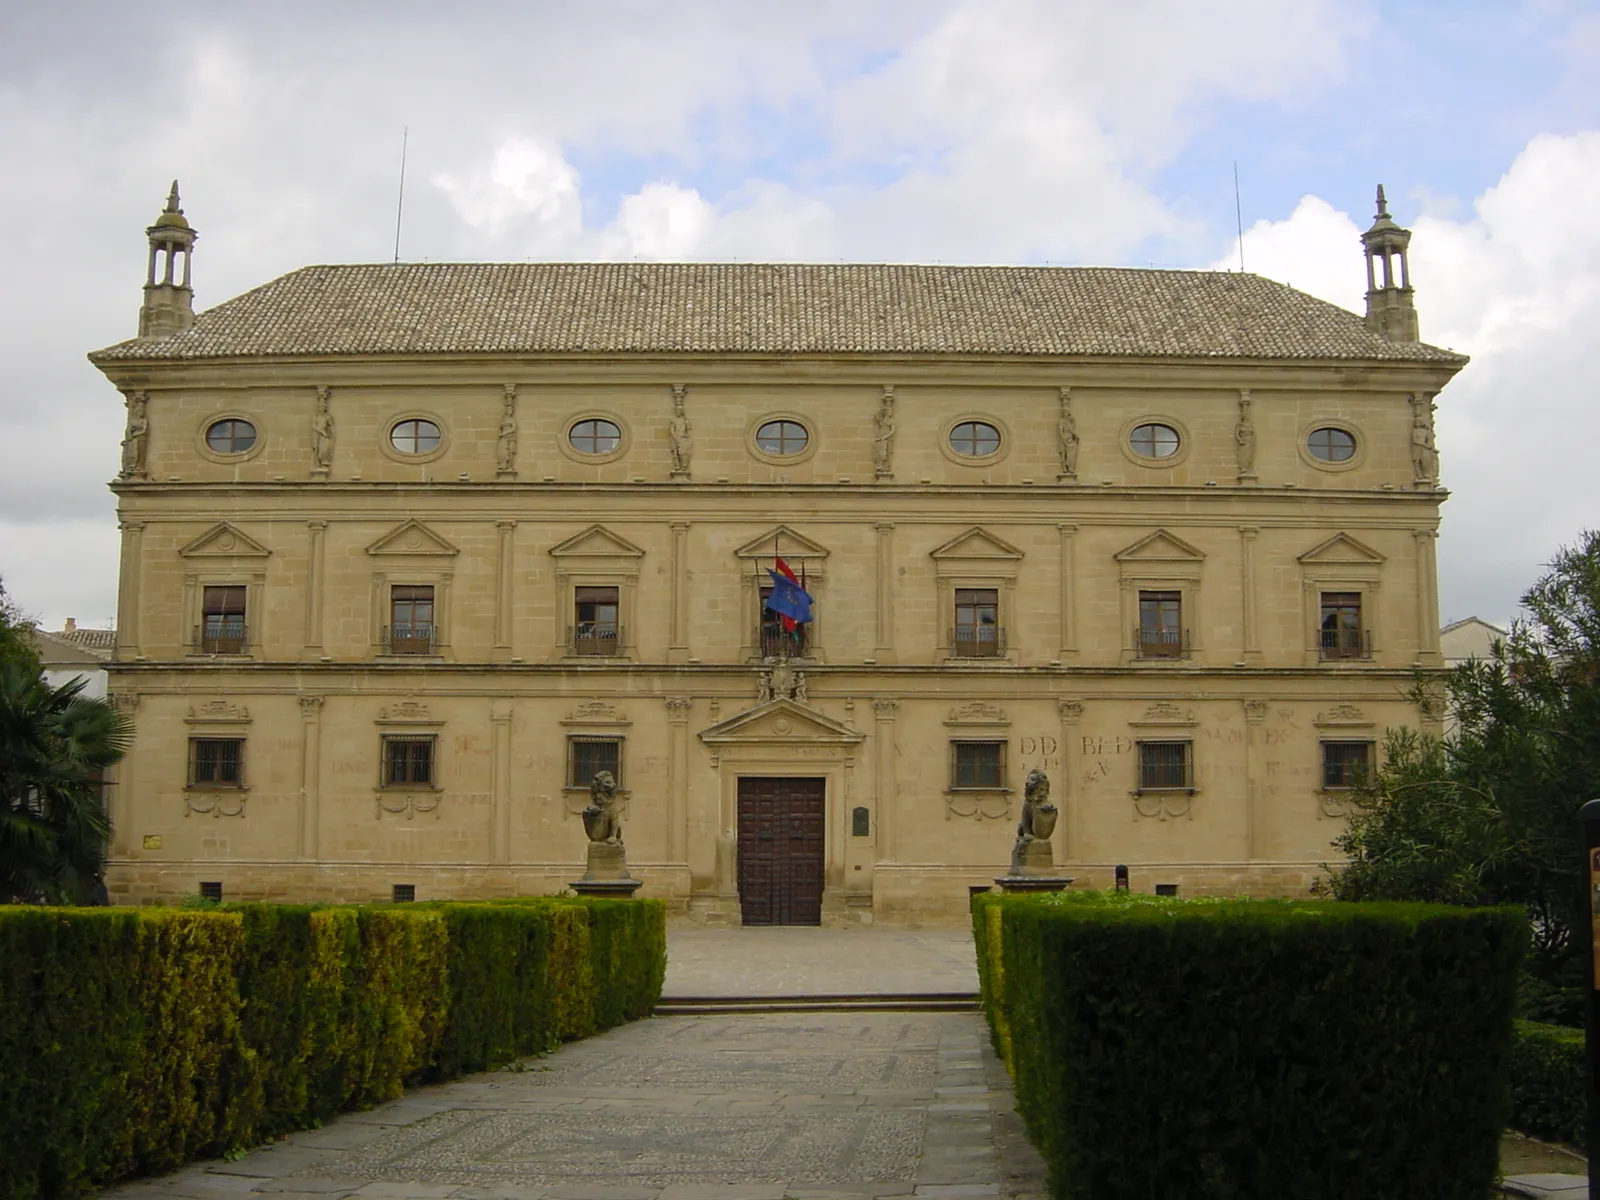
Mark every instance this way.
x=1331 y=445
x=595 y=436
x=782 y=437
x=1154 y=441
x=415 y=436
x=974 y=439
x=232 y=436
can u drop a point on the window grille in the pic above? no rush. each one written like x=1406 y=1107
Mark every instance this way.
x=977 y=764
x=1345 y=764
x=408 y=760
x=588 y=756
x=1166 y=765
x=216 y=762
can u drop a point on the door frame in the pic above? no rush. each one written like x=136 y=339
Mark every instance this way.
x=827 y=826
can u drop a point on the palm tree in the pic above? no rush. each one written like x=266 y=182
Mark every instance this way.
x=54 y=744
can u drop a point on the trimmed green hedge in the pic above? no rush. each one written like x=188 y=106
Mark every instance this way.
x=1240 y=1049
x=1547 y=1082
x=132 y=1040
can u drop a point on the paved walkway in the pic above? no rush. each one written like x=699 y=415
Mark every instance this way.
x=816 y=1106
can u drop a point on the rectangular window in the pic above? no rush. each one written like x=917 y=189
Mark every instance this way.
x=211 y=891
x=216 y=762
x=1342 y=635
x=776 y=641
x=1346 y=764
x=588 y=756
x=408 y=760
x=595 y=631
x=977 y=633
x=977 y=764
x=411 y=627
x=222 y=627
x=404 y=893
x=1165 y=765
x=1161 y=625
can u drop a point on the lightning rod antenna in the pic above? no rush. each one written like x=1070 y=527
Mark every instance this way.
x=1238 y=215
x=400 y=203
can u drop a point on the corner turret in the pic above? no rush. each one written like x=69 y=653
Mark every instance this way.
x=1390 y=310
x=168 y=304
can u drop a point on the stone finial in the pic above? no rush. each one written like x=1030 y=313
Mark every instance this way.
x=1390 y=311
x=168 y=297
x=1383 y=204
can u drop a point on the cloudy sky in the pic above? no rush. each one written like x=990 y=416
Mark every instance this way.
x=970 y=131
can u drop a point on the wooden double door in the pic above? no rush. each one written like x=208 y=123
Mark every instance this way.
x=781 y=850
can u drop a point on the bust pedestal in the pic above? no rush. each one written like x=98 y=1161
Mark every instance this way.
x=606 y=872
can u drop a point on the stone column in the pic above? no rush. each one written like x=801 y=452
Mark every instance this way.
x=677 y=839
x=884 y=649
x=1069 y=587
x=1427 y=598
x=885 y=711
x=310 y=774
x=678 y=649
x=1247 y=559
x=503 y=593
x=500 y=781
x=120 y=800
x=314 y=585
x=128 y=592
x=1068 y=796
x=1255 y=770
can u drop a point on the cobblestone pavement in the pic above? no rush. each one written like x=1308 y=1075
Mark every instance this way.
x=793 y=961
x=815 y=1106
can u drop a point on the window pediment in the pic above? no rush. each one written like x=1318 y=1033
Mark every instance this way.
x=781 y=721
x=1343 y=550
x=224 y=540
x=596 y=543
x=791 y=546
x=1159 y=547
x=976 y=545
x=412 y=538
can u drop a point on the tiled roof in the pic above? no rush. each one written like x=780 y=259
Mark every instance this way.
x=75 y=645
x=755 y=308
x=89 y=639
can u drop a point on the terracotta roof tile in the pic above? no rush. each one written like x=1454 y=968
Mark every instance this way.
x=756 y=308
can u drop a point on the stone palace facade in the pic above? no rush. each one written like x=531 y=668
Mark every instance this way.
x=409 y=552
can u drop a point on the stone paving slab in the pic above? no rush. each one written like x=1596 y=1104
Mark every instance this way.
x=747 y=1106
x=797 y=961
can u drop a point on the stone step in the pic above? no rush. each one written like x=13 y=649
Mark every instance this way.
x=671 y=1006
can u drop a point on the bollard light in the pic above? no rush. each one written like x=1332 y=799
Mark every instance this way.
x=1122 y=877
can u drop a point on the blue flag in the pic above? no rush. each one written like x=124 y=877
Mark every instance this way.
x=789 y=599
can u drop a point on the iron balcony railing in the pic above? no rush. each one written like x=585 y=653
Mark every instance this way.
x=1161 y=643
x=1344 y=643
x=775 y=642
x=221 y=635
x=977 y=641
x=595 y=639
x=414 y=637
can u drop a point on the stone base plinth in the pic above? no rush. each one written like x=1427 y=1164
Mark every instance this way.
x=615 y=888
x=607 y=860
x=1033 y=857
x=1033 y=883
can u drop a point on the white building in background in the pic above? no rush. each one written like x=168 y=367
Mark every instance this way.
x=72 y=652
x=1471 y=637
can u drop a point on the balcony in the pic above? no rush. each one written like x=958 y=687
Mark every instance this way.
x=221 y=635
x=411 y=638
x=594 y=639
x=1337 y=644
x=977 y=641
x=1161 y=643
x=772 y=641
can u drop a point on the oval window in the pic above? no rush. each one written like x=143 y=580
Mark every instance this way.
x=595 y=436
x=415 y=437
x=232 y=436
x=974 y=439
x=782 y=437
x=1331 y=445
x=1154 y=441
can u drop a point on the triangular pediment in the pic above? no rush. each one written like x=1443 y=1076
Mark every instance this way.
x=411 y=538
x=597 y=542
x=1341 y=548
x=977 y=542
x=781 y=721
x=223 y=540
x=1160 y=546
x=788 y=543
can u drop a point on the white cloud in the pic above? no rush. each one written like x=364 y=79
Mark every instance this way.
x=528 y=190
x=662 y=221
x=1517 y=286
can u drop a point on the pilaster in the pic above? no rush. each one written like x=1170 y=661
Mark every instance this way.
x=677 y=839
x=315 y=556
x=128 y=591
x=310 y=774
x=884 y=711
x=505 y=580
x=500 y=781
x=678 y=650
x=1255 y=766
x=1427 y=598
x=1069 y=588
x=1247 y=591
x=1071 y=714
x=884 y=640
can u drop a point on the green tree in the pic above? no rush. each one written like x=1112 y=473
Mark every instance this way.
x=16 y=640
x=1490 y=816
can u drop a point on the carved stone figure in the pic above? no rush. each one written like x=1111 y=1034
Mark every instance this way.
x=322 y=435
x=781 y=682
x=506 y=446
x=135 y=439
x=681 y=433
x=1424 y=456
x=883 y=435
x=1031 y=854
x=600 y=818
x=1067 y=437
x=1244 y=437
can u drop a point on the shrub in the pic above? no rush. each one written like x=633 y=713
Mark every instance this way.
x=1547 y=1082
x=1254 y=1048
x=134 y=1039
